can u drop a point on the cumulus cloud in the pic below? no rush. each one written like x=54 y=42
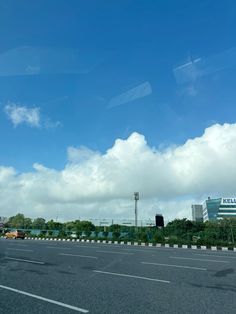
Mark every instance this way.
x=80 y=154
x=102 y=185
x=21 y=114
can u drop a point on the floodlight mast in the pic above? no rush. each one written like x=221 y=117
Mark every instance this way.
x=136 y=198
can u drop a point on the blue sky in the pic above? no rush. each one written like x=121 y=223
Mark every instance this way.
x=75 y=76
x=116 y=46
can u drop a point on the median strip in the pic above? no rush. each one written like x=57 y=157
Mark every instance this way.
x=130 y=276
x=71 y=307
x=177 y=266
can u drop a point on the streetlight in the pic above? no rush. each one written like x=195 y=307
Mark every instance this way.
x=136 y=198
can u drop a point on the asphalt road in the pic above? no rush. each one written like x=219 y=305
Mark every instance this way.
x=69 y=277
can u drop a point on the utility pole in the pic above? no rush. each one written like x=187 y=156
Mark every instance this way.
x=136 y=198
x=57 y=215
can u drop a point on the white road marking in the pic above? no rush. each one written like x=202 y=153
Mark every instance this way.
x=91 y=246
x=75 y=245
x=71 y=307
x=215 y=255
x=58 y=247
x=114 y=252
x=133 y=250
x=77 y=255
x=199 y=259
x=177 y=266
x=25 y=260
x=151 y=249
x=130 y=276
x=23 y=250
x=14 y=244
x=43 y=243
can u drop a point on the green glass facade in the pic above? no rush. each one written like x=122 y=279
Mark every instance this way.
x=214 y=209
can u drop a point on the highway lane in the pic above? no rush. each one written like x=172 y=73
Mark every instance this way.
x=103 y=278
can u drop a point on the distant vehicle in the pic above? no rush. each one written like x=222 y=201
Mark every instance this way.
x=15 y=234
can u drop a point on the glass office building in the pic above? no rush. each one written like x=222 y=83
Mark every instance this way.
x=215 y=209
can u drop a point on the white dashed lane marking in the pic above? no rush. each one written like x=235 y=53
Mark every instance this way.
x=71 y=307
x=176 y=266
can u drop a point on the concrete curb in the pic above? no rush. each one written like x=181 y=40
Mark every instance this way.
x=143 y=244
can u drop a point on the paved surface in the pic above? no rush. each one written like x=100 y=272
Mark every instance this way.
x=70 y=277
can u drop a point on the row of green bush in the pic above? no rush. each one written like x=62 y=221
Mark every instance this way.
x=171 y=241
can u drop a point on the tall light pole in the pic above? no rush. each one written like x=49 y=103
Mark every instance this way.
x=136 y=198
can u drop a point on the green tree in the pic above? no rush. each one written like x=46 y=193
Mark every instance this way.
x=39 y=223
x=87 y=226
x=27 y=223
x=115 y=228
x=71 y=226
x=116 y=231
x=17 y=221
x=227 y=229
x=142 y=235
x=182 y=228
x=158 y=235
x=53 y=225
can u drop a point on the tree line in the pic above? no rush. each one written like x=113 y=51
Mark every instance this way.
x=178 y=231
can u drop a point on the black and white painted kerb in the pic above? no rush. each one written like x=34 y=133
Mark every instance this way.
x=143 y=244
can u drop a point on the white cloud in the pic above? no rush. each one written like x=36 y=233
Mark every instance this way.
x=76 y=155
x=94 y=185
x=21 y=114
x=49 y=124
